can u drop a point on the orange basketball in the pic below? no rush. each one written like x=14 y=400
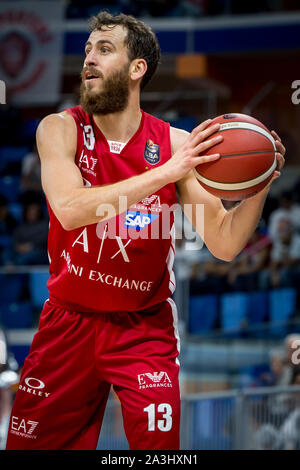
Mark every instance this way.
x=247 y=161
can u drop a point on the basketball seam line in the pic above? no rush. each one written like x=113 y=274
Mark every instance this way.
x=246 y=153
x=206 y=181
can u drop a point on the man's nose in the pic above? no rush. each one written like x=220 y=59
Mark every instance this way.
x=91 y=58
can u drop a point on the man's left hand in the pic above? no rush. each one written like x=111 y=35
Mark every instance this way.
x=279 y=155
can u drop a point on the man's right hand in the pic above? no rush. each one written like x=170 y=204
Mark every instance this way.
x=186 y=156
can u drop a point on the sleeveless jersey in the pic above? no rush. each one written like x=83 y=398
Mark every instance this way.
x=124 y=263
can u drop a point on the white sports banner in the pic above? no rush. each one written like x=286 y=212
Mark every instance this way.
x=31 y=48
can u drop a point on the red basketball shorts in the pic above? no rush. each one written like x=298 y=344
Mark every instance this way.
x=74 y=360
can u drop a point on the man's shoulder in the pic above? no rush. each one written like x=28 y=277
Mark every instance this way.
x=57 y=130
x=178 y=137
x=55 y=122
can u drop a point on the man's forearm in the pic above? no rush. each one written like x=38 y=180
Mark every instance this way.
x=86 y=206
x=239 y=223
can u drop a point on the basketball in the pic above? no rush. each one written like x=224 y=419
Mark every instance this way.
x=247 y=158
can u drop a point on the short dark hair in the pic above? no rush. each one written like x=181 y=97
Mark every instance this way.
x=141 y=40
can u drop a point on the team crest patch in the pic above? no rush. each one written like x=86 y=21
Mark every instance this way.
x=152 y=152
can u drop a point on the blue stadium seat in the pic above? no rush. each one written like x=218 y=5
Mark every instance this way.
x=20 y=352
x=16 y=211
x=5 y=241
x=233 y=312
x=245 y=377
x=203 y=311
x=13 y=154
x=11 y=287
x=282 y=304
x=257 y=311
x=38 y=288
x=16 y=315
x=28 y=129
x=10 y=187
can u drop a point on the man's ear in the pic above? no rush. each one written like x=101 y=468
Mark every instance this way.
x=138 y=68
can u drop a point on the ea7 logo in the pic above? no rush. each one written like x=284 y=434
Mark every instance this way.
x=89 y=162
x=154 y=380
x=22 y=427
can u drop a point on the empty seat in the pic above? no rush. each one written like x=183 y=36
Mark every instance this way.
x=5 y=241
x=16 y=210
x=10 y=187
x=20 y=352
x=233 y=312
x=16 y=315
x=38 y=288
x=12 y=154
x=282 y=304
x=203 y=311
x=257 y=312
x=11 y=287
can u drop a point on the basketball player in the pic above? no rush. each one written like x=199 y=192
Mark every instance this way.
x=110 y=320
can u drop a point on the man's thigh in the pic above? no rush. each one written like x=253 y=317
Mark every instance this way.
x=61 y=400
x=151 y=412
x=141 y=362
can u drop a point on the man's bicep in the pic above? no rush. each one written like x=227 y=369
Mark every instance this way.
x=56 y=142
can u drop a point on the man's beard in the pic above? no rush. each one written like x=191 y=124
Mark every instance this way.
x=113 y=97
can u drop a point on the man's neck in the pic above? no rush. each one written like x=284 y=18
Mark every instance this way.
x=119 y=127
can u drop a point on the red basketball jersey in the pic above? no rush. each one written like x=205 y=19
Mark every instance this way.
x=124 y=263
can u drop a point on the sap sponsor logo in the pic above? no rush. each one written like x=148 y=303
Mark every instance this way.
x=23 y=427
x=138 y=220
x=155 y=380
x=34 y=387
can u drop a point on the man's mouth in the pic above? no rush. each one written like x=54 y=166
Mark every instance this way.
x=89 y=76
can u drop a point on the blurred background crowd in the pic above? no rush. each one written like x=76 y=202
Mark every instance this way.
x=176 y=8
x=238 y=320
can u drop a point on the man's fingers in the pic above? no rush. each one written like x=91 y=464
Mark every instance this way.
x=201 y=126
x=280 y=161
x=207 y=144
x=276 y=136
x=197 y=130
x=205 y=159
x=280 y=147
x=276 y=175
x=204 y=134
